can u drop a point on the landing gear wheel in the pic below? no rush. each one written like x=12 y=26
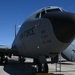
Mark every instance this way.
x=42 y=68
x=45 y=68
x=39 y=66
x=21 y=59
x=6 y=60
x=1 y=60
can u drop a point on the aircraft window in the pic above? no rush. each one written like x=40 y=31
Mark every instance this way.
x=52 y=10
x=38 y=15
x=42 y=13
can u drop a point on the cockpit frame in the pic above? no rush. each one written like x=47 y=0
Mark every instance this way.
x=47 y=10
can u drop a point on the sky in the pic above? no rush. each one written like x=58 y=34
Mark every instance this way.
x=16 y=11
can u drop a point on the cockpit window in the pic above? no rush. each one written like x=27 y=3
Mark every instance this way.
x=40 y=14
x=52 y=10
x=37 y=16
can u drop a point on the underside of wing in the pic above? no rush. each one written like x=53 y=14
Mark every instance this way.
x=6 y=50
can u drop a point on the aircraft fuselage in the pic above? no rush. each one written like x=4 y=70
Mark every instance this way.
x=37 y=36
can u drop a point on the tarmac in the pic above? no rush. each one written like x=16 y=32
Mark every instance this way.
x=14 y=67
x=67 y=68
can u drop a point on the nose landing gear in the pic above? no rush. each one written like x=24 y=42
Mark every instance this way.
x=42 y=68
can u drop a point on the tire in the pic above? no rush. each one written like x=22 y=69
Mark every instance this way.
x=39 y=68
x=42 y=68
x=45 y=68
x=1 y=60
x=6 y=60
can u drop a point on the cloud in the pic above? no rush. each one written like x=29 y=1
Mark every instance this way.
x=19 y=26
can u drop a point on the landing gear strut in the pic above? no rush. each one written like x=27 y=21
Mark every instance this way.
x=41 y=67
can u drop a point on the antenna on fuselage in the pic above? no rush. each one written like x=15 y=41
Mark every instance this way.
x=15 y=30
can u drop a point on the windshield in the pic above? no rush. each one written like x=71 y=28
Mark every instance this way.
x=52 y=10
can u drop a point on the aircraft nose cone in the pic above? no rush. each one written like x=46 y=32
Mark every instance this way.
x=63 y=24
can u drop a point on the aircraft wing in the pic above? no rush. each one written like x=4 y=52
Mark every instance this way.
x=5 y=50
x=69 y=53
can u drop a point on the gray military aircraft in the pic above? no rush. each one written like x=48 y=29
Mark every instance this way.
x=44 y=34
